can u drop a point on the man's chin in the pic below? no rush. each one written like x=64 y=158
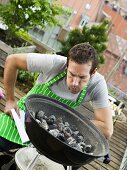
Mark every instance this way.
x=74 y=91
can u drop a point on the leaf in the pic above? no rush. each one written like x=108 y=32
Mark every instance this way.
x=22 y=14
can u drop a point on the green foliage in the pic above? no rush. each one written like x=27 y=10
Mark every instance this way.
x=22 y=14
x=96 y=36
x=27 y=77
x=112 y=92
x=22 y=34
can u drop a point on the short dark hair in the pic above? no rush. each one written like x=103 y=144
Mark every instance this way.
x=83 y=53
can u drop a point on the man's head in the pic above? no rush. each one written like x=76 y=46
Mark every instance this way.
x=81 y=64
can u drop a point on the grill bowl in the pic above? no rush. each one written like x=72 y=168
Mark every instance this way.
x=54 y=148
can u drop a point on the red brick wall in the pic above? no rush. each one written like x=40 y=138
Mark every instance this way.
x=118 y=79
x=79 y=7
x=119 y=23
x=4 y=1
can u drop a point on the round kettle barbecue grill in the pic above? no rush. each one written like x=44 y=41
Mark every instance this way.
x=52 y=147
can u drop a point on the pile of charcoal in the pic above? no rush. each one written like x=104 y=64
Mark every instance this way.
x=61 y=130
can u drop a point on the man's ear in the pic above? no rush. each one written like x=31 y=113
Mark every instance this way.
x=93 y=71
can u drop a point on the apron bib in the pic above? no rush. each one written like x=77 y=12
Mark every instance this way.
x=8 y=128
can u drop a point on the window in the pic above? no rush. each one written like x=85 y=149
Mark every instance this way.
x=84 y=20
x=125 y=71
x=88 y=6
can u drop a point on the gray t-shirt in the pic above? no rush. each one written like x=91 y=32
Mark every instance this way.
x=49 y=65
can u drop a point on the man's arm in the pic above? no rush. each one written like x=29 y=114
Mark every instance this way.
x=103 y=121
x=13 y=63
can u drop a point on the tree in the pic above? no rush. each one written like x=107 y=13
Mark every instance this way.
x=96 y=35
x=23 y=15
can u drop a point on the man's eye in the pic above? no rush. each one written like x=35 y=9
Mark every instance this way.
x=82 y=77
x=70 y=74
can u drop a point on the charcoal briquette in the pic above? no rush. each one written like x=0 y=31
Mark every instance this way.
x=88 y=148
x=40 y=115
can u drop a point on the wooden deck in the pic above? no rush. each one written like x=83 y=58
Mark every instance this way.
x=117 y=148
x=118 y=142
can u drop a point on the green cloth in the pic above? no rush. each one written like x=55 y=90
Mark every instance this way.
x=8 y=128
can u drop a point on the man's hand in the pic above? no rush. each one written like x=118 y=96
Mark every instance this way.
x=11 y=104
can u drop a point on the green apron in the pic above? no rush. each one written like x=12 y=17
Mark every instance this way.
x=8 y=128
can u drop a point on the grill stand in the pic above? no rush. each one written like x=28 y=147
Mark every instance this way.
x=34 y=160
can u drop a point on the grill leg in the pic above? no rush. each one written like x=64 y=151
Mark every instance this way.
x=8 y=165
x=69 y=167
x=33 y=162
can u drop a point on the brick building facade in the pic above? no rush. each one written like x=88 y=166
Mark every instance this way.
x=119 y=77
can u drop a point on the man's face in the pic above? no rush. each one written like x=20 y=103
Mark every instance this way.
x=78 y=76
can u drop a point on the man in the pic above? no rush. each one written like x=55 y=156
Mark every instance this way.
x=73 y=80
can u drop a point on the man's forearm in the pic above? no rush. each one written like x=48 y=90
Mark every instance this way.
x=13 y=63
x=10 y=73
x=103 y=128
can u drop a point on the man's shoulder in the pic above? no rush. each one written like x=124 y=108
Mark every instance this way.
x=45 y=62
x=97 y=77
x=51 y=56
x=96 y=81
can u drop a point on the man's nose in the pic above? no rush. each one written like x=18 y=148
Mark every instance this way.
x=75 y=81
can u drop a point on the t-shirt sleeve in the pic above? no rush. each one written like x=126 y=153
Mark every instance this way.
x=44 y=63
x=100 y=95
